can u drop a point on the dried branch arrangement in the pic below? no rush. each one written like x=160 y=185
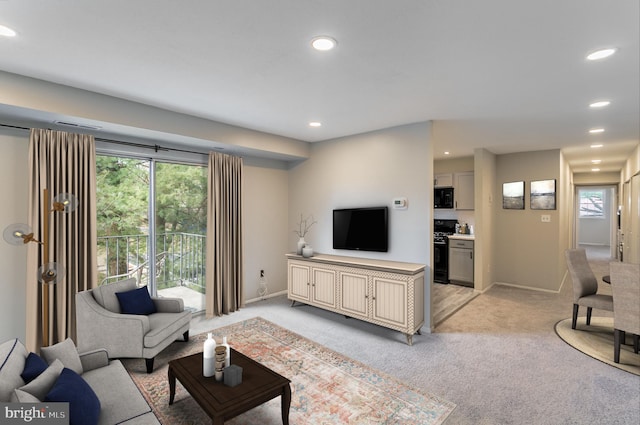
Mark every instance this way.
x=304 y=225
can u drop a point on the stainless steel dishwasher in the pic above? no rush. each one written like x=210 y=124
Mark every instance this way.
x=461 y=262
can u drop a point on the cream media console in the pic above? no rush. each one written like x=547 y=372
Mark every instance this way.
x=387 y=293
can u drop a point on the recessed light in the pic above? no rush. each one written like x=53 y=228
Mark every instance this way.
x=596 y=161
x=596 y=130
x=601 y=54
x=596 y=145
x=446 y=152
x=315 y=124
x=600 y=104
x=595 y=169
x=6 y=31
x=323 y=43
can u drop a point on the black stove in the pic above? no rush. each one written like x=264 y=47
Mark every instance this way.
x=440 y=237
x=441 y=230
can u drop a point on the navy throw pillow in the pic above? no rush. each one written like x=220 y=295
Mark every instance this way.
x=137 y=301
x=33 y=367
x=84 y=406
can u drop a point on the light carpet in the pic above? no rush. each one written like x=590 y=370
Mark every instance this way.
x=327 y=387
x=596 y=340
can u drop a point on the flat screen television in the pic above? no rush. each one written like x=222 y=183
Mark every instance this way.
x=362 y=229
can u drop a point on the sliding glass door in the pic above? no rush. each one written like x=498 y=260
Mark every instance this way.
x=152 y=225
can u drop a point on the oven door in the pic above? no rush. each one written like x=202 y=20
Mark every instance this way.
x=441 y=262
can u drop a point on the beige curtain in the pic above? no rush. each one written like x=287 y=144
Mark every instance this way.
x=224 y=235
x=62 y=163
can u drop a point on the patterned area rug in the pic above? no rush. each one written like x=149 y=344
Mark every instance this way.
x=327 y=387
x=596 y=340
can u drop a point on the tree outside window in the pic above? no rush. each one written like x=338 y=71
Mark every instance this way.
x=592 y=203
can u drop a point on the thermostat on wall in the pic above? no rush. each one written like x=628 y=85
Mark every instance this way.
x=400 y=203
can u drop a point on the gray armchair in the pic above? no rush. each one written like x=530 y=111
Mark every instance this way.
x=585 y=286
x=625 y=285
x=100 y=324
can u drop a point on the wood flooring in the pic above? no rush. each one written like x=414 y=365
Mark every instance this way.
x=449 y=298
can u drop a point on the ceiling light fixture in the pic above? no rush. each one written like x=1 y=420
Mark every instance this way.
x=323 y=43
x=6 y=31
x=595 y=169
x=446 y=152
x=315 y=124
x=597 y=145
x=601 y=54
x=596 y=161
x=600 y=104
x=596 y=130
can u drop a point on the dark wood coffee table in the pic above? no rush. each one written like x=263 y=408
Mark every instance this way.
x=259 y=385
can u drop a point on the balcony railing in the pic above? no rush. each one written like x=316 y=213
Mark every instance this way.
x=180 y=259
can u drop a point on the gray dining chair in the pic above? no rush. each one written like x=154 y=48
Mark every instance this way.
x=585 y=286
x=625 y=285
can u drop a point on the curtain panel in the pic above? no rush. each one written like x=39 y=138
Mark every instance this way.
x=62 y=163
x=224 y=280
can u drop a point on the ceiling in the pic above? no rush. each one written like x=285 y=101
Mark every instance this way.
x=505 y=75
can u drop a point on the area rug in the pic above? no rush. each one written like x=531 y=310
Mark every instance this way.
x=596 y=340
x=327 y=387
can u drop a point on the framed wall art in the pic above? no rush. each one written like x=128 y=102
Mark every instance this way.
x=543 y=195
x=513 y=196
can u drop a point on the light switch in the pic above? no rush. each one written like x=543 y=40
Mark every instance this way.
x=545 y=218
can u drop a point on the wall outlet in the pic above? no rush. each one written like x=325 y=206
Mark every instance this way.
x=545 y=218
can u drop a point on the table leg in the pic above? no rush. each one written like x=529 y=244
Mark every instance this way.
x=286 y=403
x=172 y=385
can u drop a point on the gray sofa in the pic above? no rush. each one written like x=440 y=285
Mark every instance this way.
x=120 y=400
x=100 y=324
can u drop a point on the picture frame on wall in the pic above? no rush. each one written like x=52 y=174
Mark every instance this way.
x=513 y=195
x=543 y=195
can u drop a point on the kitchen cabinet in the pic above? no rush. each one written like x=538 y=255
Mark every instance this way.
x=464 y=191
x=461 y=262
x=443 y=180
x=387 y=293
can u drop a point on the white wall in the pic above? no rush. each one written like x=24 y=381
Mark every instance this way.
x=526 y=250
x=265 y=226
x=368 y=170
x=13 y=259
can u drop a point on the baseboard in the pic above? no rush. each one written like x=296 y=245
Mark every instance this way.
x=275 y=294
x=486 y=289
x=550 y=291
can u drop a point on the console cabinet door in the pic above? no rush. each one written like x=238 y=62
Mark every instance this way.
x=354 y=294
x=323 y=286
x=390 y=301
x=299 y=282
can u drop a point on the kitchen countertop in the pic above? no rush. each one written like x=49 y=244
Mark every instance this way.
x=465 y=236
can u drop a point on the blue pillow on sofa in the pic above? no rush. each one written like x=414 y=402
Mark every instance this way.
x=33 y=367
x=84 y=406
x=137 y=301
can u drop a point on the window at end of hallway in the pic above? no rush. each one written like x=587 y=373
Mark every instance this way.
x=592 y=203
